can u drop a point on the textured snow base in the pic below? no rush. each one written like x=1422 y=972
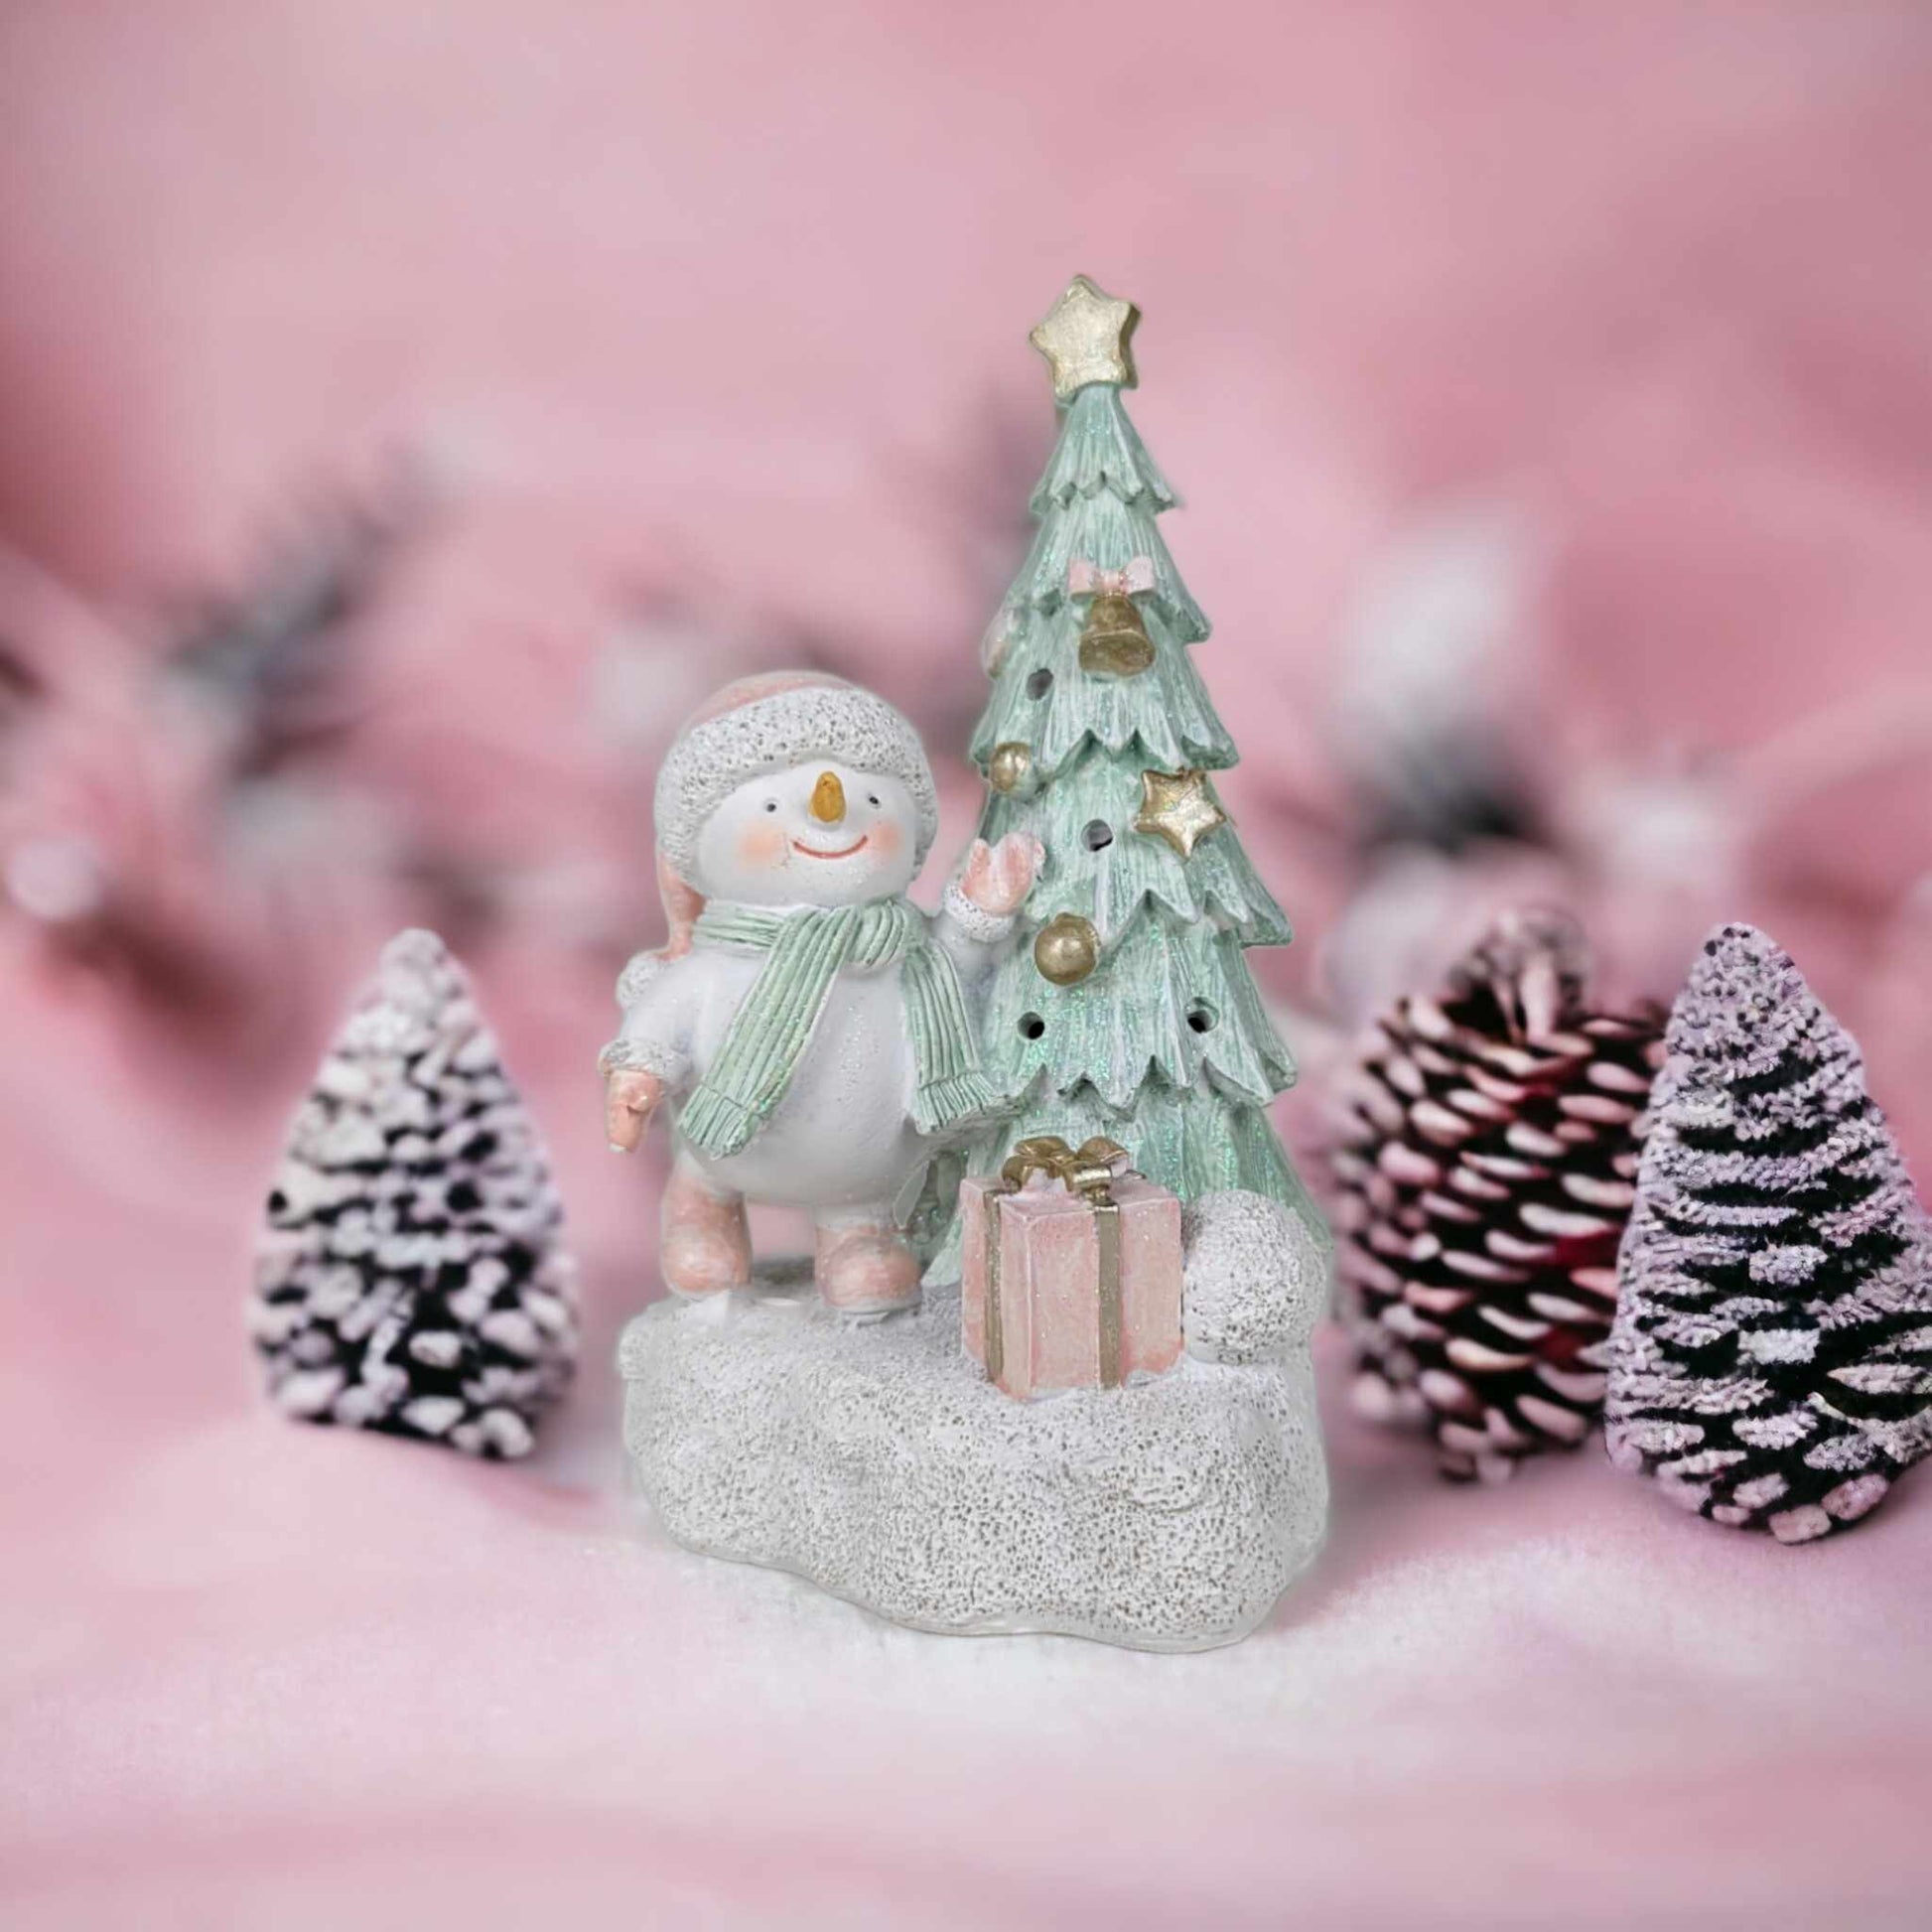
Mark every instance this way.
x=879 y=1463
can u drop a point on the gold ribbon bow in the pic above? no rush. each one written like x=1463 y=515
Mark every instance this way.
x=1090 y=1171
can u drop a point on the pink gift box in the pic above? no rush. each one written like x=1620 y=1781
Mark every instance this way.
x=1034 y=1306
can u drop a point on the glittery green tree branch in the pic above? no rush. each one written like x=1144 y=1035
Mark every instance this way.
x=1165 y=1045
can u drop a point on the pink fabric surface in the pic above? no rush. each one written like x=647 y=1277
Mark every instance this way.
x=261 y=1674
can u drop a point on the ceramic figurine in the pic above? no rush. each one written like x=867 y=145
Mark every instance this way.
x=808 y=1025
x=1125 y=1007
x=1136 y=1250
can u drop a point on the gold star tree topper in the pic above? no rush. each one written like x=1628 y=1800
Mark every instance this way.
x=1179 y=806
x=1084 y=338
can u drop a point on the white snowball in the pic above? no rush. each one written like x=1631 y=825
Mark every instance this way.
x=1256 y=1278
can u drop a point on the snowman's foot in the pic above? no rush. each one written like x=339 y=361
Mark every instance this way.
x=707 y=1241
x=865 y=1269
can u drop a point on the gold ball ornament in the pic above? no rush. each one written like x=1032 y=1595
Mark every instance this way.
x=1066 y=949
x=1010 y=767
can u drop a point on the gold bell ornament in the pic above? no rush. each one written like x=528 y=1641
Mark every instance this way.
x=1066 y=949
x=1113 y=639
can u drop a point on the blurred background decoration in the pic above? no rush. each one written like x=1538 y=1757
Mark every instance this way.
x=406 y=414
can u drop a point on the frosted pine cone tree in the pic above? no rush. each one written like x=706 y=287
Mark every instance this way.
x=1485 y=1168
x=1772 y=1357
x=410 y=1276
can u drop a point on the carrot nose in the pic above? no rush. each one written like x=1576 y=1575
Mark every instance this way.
x=828 y=798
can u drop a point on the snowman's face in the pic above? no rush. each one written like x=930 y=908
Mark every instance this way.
x=819 y=834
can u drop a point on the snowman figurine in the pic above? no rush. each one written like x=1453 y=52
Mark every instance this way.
x=812 y=1032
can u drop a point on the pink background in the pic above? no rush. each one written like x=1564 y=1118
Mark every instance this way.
x=1551 y=395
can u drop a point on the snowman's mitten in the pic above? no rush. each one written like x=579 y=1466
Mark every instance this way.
x=630 y=1097
x=973 y=922
x=998 y=877
x=973 y=934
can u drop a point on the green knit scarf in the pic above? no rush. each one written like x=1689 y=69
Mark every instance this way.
x=770 y=1032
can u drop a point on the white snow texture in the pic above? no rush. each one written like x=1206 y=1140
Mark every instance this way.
x=879 y=1463
x=1772 y=1355
x=410 y=1273
x=1257 y=1279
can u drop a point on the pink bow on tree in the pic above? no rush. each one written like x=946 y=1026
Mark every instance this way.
x=1087 y=579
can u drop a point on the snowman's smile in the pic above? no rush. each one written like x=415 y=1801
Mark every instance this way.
x=844 y=852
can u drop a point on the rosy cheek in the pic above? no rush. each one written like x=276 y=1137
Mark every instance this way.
x=888 y=840
x=761 y=847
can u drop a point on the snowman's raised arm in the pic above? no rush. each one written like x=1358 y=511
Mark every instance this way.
x=658 y=997
x=976 y=911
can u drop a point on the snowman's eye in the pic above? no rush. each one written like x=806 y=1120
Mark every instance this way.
x=770 y=805
x=871 y=799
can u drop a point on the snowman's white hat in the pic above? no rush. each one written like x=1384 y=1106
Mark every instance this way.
x=769 y=724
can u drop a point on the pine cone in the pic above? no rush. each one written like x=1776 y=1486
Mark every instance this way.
x=410 y=1276
x=1485 y=1170
x=1773 y=1358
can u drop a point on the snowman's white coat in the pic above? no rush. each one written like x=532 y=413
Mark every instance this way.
x=842 y=1135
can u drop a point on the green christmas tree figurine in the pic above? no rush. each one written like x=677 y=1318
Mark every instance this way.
x=1126 y=1008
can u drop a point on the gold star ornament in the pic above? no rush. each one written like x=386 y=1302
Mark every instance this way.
x=1084 y=338
x=1179 y=807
